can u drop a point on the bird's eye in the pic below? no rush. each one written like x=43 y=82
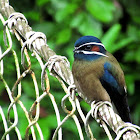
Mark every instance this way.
x=95 y=49
x=88 y=47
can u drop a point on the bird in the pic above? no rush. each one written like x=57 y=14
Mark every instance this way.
x=98 y=75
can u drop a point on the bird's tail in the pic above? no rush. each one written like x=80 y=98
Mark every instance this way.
x=123 y=108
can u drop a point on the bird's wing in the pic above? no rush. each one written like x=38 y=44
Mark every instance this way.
x=113 y=82
x=114 y=77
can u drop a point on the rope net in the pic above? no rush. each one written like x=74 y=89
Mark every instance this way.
x=34 y=49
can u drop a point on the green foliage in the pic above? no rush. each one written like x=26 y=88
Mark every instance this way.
x=47 y=125
x=63 y=36
x=101 y=9
x=94 y=27
x=110 y=36
x=116 y=23
x=41 y=2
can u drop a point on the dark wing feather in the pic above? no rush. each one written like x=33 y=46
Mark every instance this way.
x=116 y=92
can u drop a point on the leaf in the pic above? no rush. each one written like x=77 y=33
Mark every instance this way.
x=46 y=124
x=47 y=28
x=129 y=56
x=130 y=83
x=111 y=36
x=121 y=44
x=137 y=114
x=137 y=55
x=101 y=9
x=28 y=88
x=69 y=52
x=22 y=123
x=64 y=12
x=91 y=27
x=34 y=15
x=63 y=36
x=87 y=25
x=70 y=125
x=41 y=2
x=133 y=32
x=76 y=20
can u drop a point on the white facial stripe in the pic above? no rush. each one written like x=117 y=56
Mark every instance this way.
x=98 y=53
x=90 y=43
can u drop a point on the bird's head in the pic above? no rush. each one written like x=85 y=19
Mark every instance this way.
x=89 y=48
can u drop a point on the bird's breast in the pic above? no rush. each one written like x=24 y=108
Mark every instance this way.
x=87 y=80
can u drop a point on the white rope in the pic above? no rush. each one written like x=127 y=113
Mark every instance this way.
x=12 y=19
x=31 y=37
x=50 y=64
x=127 y=127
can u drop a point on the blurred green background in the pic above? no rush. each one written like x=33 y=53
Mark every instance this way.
x=115 y=22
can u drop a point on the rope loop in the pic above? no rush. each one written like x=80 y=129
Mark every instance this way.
x=12 y=19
